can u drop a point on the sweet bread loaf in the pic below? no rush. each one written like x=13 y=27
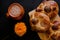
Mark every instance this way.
x=45 y=20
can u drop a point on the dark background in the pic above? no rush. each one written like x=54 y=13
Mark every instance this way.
x=7 y=24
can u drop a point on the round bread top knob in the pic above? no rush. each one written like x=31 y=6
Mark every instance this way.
x=16 y=11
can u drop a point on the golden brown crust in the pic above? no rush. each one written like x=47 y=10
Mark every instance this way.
x=55 y=35
x=39 y=21
x=50 y=8
x=49 y=20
